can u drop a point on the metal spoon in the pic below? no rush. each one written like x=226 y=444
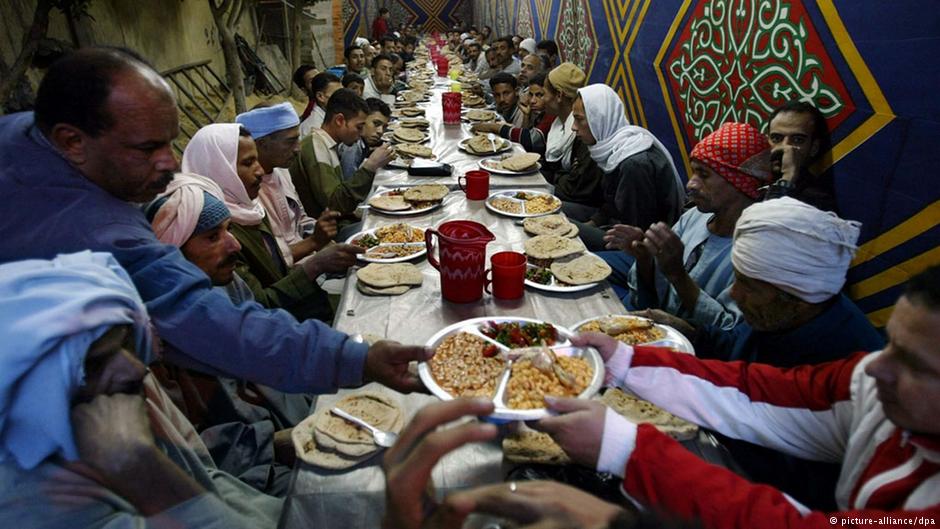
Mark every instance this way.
x=381 y=437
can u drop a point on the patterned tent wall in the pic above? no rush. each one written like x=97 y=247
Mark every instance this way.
x=429 y=15
x=685 y=66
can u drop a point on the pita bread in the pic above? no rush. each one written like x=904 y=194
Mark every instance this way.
x=641 y=411
x=552 y=246
x=341 y=436
x=582 y=270
x=481 y=115
x=520 y=162
x=412 y=112
x=388 y=291
x=481 y=144
x=305 y=445
x=383 y=275
x=415 y=123
x=426 y=193
x=409 y=135
x=528 y=446
x=389 y=202
x=414 y=150
x=548 y=225
x=473 y=100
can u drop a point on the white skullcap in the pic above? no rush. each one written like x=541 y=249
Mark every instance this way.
x=797 y=248
x=361 y=42
x=528 y=45
x=467 y=42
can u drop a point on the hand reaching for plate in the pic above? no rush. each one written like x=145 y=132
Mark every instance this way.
x=578 y=428
x=379 y=158
x=485 y=128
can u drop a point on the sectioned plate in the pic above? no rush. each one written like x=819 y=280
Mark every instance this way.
x=419 y=246
x=492 y=165
x=510 y=194
x=673 y=339
x=502 y=411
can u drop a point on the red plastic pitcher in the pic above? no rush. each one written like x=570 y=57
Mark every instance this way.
x=462 y=258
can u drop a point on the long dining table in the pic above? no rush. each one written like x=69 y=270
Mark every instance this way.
x=355 y=497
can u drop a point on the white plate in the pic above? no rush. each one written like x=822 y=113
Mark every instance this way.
x=508 y=193
x=507 y=146
x=405 y=212
x=503 y=412
x=674 y=339
x=554 y=287
x=363 y=257
x=489 y=164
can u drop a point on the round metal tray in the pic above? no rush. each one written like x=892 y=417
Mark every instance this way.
x=502 y=412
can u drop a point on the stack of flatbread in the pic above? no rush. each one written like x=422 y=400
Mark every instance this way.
x=408 y=135
x=473 y=101
x=379 y=279
x=481 y=115
x=327 y=441
x=411 y=112
x=481 y=144
x=415 y=123
x=426 y=193
x=544 y=249
x=413 y=150
x=411 y=95
x=641 y=411
x=520 y=163
x=529 y=446
x=550 y=225
x=580 y=270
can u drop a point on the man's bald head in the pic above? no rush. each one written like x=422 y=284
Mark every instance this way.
x=76 y=88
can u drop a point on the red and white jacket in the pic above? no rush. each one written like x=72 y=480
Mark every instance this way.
x=828 y=412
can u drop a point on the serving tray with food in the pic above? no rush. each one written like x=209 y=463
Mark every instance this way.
x=557 y=263
x=512 y=164
x=514 y=361
x=390 y=244
x=409 y=200
x=634 y=330
x=522 y=203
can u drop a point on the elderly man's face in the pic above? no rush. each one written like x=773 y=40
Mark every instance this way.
x=133 y=160
x=373 y=128
x=248 y=167
x=796 y=130
x=214 y=252
x=708 y=190
x=278 y=149
x=382 y=74
x=907 y=372
x=531 y=66
x=505 y=97
x=581 y=127
x=357 y=60
x=112 y=366
x=764 y=306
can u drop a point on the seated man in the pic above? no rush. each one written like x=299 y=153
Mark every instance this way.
x=302 y=78
x=568 y=163
x=686 y=270
x=247 y=437
x=532 y=138
x=100 y=153
x=380 y=82
x=549 y=49
x=321 y=88
x=875 y=414
x=474 y=55
x=355 y=60
x=277 y=138
x=489 y=67
x=316 y=171
x=506 y=97
x=354 y=82
x=790 y=261
x=506 y=57
x=352 y=156
x=226 y=154
x=641 y=185
x=800 y=137
x=82 y=340
x=526 y=47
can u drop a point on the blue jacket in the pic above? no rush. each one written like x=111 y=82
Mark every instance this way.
x=49 y=208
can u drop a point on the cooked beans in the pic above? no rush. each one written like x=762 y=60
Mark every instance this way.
x=528 y=386
x=459 y=367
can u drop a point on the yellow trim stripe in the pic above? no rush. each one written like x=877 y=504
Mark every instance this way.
x=895 y=275
x=879 y=318
x=626 y=58
x=665 y=88
x=915 y=225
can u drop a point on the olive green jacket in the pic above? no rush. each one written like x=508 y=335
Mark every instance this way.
x=318 y=177
x=294 y=291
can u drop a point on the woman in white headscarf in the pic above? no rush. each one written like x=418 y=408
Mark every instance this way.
x=641 y=185
x=87 y=436
x=226 y=154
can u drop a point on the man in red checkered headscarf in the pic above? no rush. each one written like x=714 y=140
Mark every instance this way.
x=686 y=270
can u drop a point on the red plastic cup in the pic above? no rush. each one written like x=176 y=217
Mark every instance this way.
x=451 y=102
x=443 y=66
x=475 y=184
x=507 y=270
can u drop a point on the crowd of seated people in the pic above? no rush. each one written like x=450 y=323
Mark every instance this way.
x=184 y=301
